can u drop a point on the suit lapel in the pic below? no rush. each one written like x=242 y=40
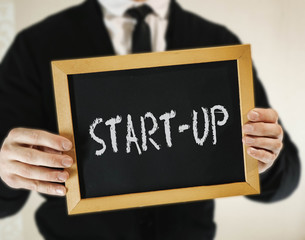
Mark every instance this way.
x=92 y=24
x=174 y=35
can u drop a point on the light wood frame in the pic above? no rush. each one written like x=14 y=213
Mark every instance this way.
x=61 y=70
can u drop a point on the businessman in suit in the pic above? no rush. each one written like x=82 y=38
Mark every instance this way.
x=31 y=148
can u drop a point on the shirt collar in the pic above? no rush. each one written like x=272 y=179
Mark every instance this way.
x=119 y=7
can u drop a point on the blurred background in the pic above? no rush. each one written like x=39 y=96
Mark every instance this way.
x=276 y=31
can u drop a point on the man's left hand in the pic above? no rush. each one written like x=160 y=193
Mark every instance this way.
x=263 y=136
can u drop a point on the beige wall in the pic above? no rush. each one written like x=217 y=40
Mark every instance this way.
x=276 y=30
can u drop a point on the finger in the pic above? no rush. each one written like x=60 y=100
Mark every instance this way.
x=263 y=129
x=39 y=138
x=267 y=115
x=37 y=173
x=262 y=167
x=262 y=155
x=39 y=158
x=38 y=186
x=49 y=150
x=271 y=144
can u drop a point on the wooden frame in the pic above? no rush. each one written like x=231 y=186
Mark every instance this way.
x=61 y=70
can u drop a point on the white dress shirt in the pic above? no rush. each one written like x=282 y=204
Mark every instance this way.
x=120 y=26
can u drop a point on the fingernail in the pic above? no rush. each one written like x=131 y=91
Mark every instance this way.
x=249 y=140
x=253 y=115
x=60 y=191
x=251 y=150
x=67 y=162
x=67 y=145
x=248 y=128
x=62 y=177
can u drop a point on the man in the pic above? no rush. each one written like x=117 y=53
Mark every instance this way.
x=99 y=28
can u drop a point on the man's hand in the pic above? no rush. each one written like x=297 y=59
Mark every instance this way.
x=263 y=136
x=33 y=159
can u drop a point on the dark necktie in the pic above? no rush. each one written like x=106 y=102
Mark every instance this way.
x=141 y=41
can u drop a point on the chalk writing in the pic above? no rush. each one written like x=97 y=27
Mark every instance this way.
x=146 y=135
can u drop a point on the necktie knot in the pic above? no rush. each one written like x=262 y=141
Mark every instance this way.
x=141 y=41
x=139 y=13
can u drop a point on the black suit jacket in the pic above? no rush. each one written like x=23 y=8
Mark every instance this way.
x=26 y=99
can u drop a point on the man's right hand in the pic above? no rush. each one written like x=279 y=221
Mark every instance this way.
x=35 y=160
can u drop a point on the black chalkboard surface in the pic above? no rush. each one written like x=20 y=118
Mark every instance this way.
x=142 y=131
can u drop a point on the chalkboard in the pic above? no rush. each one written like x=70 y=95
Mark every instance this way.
x=156 y=128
